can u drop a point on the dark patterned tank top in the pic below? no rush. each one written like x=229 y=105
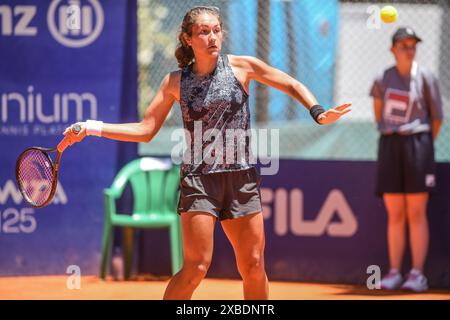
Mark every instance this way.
x=216 y=119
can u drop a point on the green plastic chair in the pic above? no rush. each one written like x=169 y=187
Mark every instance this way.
x=154 y=184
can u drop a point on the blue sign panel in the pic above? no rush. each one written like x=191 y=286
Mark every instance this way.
x=61 y=62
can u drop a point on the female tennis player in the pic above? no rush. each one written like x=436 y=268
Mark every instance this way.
x=213 y=91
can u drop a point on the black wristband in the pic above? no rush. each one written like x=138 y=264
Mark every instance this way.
x=315 y=111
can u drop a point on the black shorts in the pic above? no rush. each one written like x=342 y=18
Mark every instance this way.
x=226 y=195
x=405 y=164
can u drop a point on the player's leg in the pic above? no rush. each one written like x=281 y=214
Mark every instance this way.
x=246 y=235
x=198 y=231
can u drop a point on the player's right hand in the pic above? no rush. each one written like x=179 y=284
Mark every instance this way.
x=74 y=137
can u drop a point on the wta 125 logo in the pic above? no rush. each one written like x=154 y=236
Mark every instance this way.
x=73 y=23
x=14 y=218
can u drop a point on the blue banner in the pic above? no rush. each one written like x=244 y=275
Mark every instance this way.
x=61 y=62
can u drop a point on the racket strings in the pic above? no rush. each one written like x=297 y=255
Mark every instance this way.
x=36 y=176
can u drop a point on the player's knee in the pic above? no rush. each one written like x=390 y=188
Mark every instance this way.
x=253 y=267
x=196 y=270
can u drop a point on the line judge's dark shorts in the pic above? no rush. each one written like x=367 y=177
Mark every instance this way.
x=405 y=164
x=226 y=195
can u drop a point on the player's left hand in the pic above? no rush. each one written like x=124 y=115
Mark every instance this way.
x=333 y=114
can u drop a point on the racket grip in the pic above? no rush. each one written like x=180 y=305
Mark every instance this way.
x=65 y=142
x=63 y=145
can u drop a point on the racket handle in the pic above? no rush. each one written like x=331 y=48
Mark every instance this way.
x=65 y=142
x=63 y=145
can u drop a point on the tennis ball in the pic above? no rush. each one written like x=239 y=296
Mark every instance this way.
x=388 y=14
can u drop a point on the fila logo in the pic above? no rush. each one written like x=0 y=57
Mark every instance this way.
x=398 y=106
x=288 y=214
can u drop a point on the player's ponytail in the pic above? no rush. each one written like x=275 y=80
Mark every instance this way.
x=183 y=52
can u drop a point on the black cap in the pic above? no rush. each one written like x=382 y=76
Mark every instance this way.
x=403 y=33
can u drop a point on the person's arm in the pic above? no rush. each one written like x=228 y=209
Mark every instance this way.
x=258 y=70
x=377 y=109
x=144 y=130
x=435 y=128
x=434 y=103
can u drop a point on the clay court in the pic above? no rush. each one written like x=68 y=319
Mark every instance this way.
x=54 y=288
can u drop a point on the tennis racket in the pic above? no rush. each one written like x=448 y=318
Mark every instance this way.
x=37 y=175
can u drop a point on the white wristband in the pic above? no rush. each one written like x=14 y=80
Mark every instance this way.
x=94 y=128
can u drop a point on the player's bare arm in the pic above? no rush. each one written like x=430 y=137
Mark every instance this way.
x=152 y=121
x=250 y=68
